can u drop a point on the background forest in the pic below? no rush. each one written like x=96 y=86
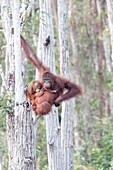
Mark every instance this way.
x=90 y=37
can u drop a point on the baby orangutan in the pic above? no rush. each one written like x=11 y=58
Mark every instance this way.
x=40 y=98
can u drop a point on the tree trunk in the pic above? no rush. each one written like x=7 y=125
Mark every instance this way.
x=110 y=22
x=101 y=59
x=54 y=9
x=0 y=160
x=67 y=114
x=46 y=53
x=24 y=139
x=74 y=52
x=110 y=19
x=9 y=76
x=101 y=65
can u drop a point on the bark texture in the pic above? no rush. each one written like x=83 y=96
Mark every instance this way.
x=46 y=53
x=67 y=107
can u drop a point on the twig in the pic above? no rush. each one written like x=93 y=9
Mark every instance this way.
x=36 y=119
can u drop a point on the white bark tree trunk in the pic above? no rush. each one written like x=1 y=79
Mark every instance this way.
x=9 y=75
x=47 y=55
x=67 y=107
x=110 y=19
x=74 y=51
x=107 y=50
x=24 y=145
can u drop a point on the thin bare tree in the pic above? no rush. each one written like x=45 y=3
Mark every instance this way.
x=46 y=53
x=9 y=77
x=110 y=19
x=67 y=107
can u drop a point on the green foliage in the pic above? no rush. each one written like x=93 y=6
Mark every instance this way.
x=2 y=47
x=42 y=148
x=31 y=27
x=108 y=81
x=4 y=108
x=31 y=73
x=94 y=104
x=106 y=31
x=6 y=104
x=37 y=151
x=77 y=106
x=80 y=0
x=102 y=157
x=99 y=158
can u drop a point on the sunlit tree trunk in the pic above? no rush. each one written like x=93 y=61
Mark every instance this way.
x=67 y=107
x=9 y=77
x=54 y=9
x=110 y=19
x=24 y=145
x=74 y=52
x=46 y=53
x=107 y=52
x=110 y=22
